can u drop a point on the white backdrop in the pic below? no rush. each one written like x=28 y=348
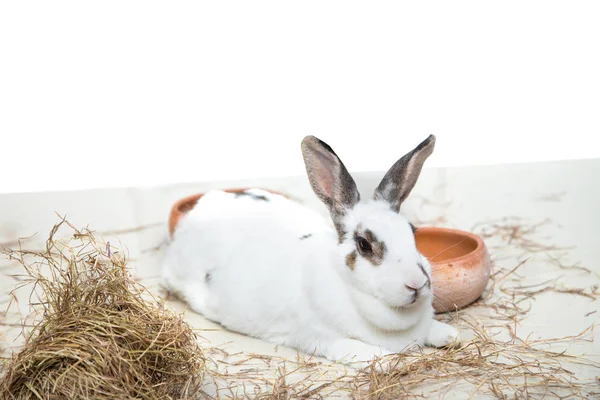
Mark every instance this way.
x=119 y=93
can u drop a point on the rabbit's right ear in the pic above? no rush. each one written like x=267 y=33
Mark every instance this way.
x=329 y=179
x=398 y=182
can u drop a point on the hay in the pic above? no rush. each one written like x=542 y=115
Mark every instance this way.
x=101 y=335
x=249 y=376
x=516 y=367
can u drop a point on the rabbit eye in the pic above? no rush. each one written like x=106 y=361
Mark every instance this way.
x=363 y=245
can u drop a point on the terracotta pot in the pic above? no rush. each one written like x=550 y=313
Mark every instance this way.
x=460 y=265
x=182 y=206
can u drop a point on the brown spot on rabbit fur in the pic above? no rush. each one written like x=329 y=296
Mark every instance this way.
x=351 y=260
x=253 y=196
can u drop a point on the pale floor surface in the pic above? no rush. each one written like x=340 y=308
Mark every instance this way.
x=564 y=194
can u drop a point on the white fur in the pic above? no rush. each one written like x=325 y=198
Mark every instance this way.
x=267 y=283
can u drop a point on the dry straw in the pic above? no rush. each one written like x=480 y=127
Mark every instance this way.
x=513 y=368
x=100 y=335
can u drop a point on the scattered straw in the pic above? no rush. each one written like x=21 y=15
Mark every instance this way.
x=101 y=335
x=515 y=233
x=486 y=364
x=259 y=376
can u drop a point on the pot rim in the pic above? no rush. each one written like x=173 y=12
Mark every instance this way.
x=478 y=252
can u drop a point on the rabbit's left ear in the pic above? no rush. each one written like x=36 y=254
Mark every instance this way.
x=329 y=179
x=398 y=182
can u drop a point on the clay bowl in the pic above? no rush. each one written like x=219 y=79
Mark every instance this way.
x=460 y=265
x=183 y=206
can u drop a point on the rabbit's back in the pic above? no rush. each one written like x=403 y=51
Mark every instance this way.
x=241 y=261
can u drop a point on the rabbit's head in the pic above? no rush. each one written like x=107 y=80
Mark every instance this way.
x=376 y=241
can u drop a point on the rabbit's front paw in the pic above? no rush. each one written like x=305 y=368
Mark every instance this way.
x=354 y=352
x=442 y=335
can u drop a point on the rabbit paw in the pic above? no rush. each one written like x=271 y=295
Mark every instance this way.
x=442 y=335
x=354 y=352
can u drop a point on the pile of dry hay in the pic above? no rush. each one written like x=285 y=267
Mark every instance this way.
x=101 y=334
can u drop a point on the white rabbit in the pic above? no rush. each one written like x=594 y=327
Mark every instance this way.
x=270 y=268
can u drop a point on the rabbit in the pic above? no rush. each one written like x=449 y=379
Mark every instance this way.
x=351 y=290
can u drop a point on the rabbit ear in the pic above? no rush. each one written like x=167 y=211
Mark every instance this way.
x=329 y=179
x=402 y=177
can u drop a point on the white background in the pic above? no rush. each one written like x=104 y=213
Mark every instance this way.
x=119 y=93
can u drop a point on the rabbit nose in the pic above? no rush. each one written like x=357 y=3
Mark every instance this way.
x=414 y=287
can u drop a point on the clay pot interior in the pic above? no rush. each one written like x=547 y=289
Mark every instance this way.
x=439 y=245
